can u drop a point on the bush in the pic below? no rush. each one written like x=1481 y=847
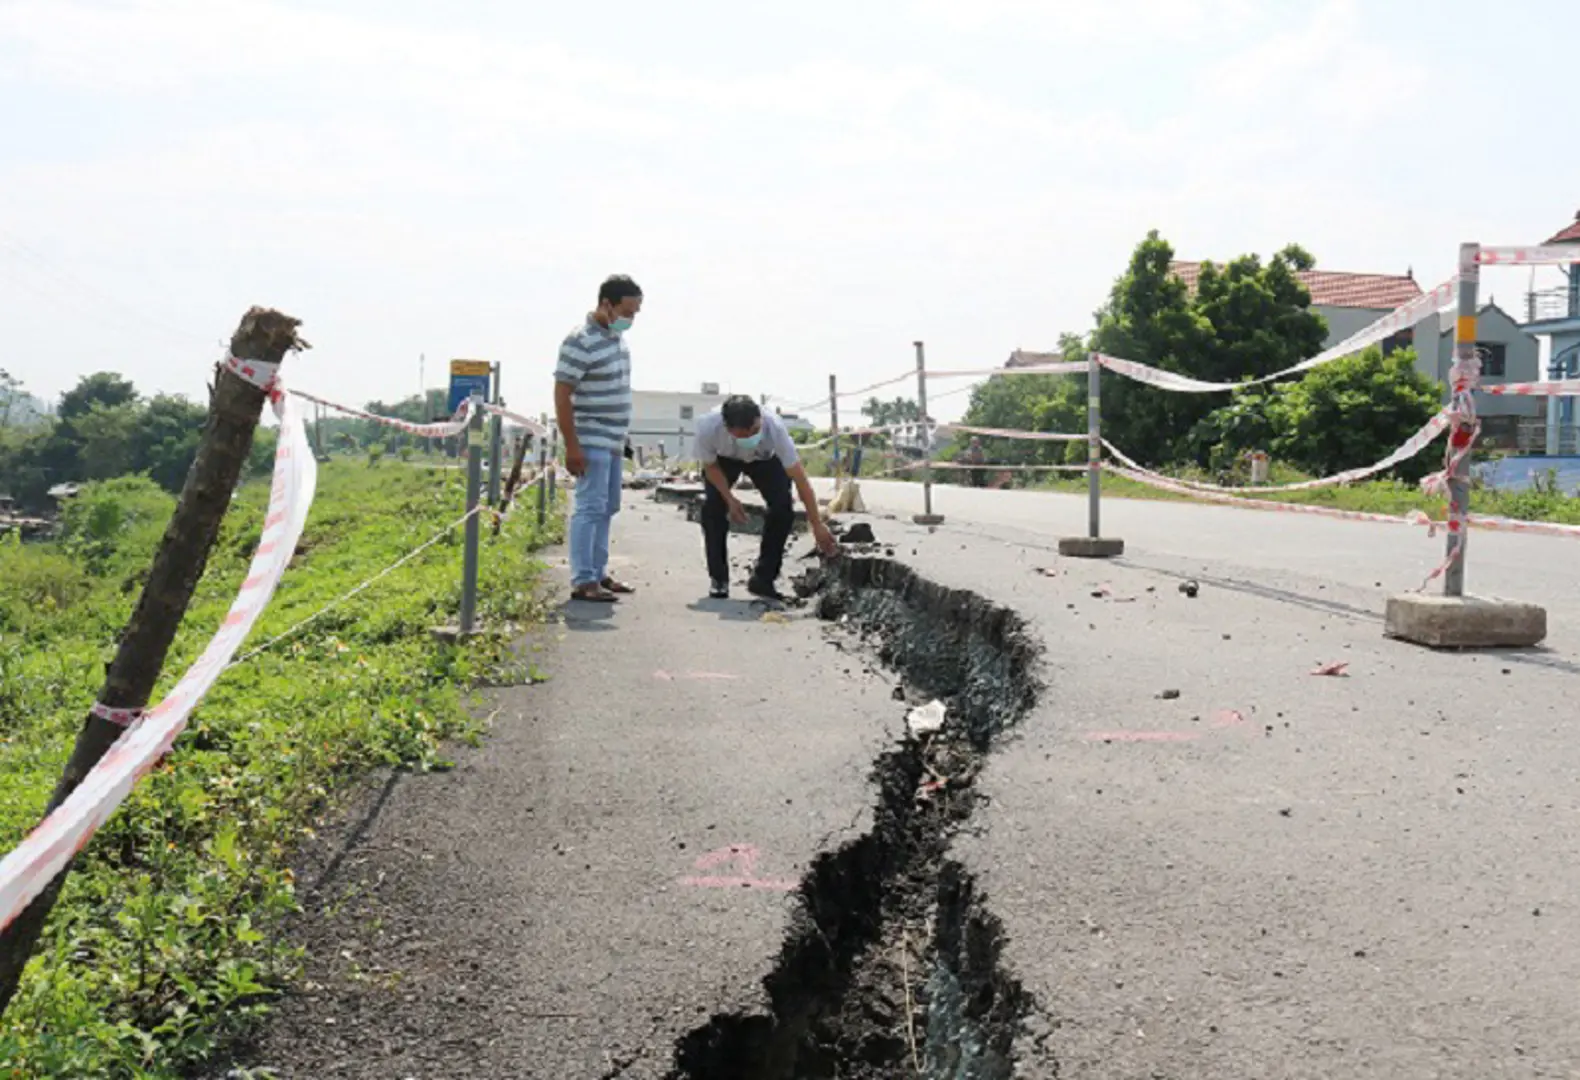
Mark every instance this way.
x=38 y=582
x=1343 y=415
x=115 y=523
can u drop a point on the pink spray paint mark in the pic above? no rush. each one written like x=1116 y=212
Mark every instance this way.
x=1228 y=718
x=743 y=857
x=701 y=676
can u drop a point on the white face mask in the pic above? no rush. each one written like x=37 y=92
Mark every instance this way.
x=749 y=442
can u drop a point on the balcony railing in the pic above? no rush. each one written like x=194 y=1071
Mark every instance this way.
x=1559 y=303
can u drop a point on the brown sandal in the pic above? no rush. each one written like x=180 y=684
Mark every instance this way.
x=615 y=585
x=593 y=594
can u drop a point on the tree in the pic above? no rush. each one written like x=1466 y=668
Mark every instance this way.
x=11 y=396
x=1353 y=412
x=1048 y=403
x=102 y=388
x=1244 y=320
x=166 y=439
x=902 y=410
x=105 y=440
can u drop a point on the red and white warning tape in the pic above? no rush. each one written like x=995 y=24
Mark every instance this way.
x=1412 y=446
x=261 y=373
x=1009 y=433
x=47 y=849
x=957 y=466
x=1541 y=528
x=1064 y=367
x=1556 y=388
x=1399 y=319
x=1163 y=483
x=1528 y=256
x=443 y=429
x=527 y=422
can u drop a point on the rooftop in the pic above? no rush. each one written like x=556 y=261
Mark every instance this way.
x=1571 y=235
x=1335 y=288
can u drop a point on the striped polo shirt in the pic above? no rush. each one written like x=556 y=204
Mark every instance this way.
x=597 y=363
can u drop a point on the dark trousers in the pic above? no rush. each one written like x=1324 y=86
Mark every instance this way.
x=773 y=484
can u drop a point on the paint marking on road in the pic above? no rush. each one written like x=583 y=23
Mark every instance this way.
x=743 y=859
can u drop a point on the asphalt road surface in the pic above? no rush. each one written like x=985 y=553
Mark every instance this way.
x=1208 y=860
x=612 y=866
x=1212 y=862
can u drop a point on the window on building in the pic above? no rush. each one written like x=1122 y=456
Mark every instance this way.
x=1494 y=358
x=687 y=412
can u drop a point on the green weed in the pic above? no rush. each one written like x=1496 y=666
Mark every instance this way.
x=165 y=941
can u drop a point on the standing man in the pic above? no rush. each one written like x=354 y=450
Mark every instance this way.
x=592 y=404
x=741 y=438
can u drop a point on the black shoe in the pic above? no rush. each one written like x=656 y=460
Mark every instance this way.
x=719 y=590
x=764 y=590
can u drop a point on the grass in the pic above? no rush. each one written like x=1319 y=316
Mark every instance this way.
x=165 y=941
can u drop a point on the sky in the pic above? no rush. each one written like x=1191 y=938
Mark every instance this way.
x=800 y=189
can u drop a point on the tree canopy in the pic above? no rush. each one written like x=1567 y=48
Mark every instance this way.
x=1243 y=320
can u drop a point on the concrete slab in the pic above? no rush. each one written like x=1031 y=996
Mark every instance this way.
x=677 y=492
x=931 y=520
x=1464 y=622
x=755 y=513
x=1091 y=547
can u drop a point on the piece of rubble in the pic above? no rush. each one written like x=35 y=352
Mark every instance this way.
x=926 y=719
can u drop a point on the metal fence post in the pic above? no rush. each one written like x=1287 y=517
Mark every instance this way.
x=1453 y=620
x=496 y=444
x=1462 y=434
x=926 y=517
x=554 y=456
x=1094 y=545
x=543 y=482
x=1094 y=451
x=474 y=489
x=833 y=412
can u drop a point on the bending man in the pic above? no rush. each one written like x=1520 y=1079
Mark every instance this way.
x=741 y=438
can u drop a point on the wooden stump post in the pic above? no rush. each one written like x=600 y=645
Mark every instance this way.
x=234 y=408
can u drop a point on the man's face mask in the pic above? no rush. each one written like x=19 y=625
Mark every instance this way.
x=749 y=442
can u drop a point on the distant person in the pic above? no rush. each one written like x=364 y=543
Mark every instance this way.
x=741 y=438
x=974 y=455
x=592 y=404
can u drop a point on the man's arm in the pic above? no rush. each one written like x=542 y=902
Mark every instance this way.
x=565 y=416
x=721 y=484
x=814 y=517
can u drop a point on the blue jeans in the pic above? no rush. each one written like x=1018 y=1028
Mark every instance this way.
x=597 y=502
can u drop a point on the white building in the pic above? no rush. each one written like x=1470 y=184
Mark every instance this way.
x=663 y=422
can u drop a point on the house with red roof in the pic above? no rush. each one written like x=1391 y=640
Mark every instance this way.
x=1346 y=301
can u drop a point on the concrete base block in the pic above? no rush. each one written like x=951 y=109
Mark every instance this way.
x=1091 y=547
x=452 y=635
x=1451 y=622
x=928 y=519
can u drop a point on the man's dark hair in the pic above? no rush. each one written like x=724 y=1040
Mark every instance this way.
x=739 y=412
x=618 y=288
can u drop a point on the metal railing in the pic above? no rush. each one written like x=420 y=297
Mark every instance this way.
x=1559 y=303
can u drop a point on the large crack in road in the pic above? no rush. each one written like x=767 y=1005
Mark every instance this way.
x=891 y=966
